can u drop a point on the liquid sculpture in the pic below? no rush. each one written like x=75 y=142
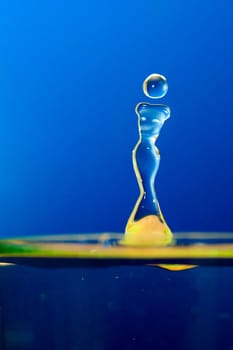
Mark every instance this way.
x=146 y=225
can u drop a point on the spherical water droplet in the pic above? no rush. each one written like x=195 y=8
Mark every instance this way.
x=155 y=86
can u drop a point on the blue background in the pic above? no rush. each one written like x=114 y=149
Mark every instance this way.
x=71 y=75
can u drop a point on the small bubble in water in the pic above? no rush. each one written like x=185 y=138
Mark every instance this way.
x=155 y=86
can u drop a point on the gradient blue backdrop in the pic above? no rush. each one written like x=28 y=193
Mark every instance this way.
x=71 y=75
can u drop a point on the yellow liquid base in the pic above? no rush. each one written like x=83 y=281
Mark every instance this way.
x=147 y=231
x=151 y=231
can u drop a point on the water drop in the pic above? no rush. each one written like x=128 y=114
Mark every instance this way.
x=155 y=86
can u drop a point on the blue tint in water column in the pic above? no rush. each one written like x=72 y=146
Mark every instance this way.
x=146 y=224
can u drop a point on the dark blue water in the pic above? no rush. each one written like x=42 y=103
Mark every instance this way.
x=126 y=308
x=71 y=75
